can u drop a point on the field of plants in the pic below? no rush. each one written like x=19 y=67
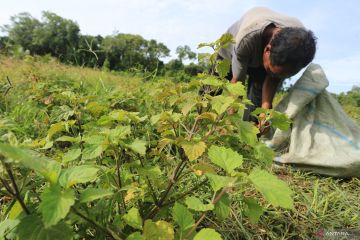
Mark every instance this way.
x=90 y=154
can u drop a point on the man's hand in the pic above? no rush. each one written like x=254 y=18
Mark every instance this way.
x=263 y=124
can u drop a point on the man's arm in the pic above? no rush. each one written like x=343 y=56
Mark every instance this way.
x=268 y=92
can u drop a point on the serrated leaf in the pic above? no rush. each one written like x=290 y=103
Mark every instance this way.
x=208 y=115
x=159 y=230
x=120 y=132
x=71 y=155
x=197 y=205
x=225 y=158
x=280 y=120
x=217 y=182
x=50 y=169
x=273 y=189
x=55 y=204
x=247 y=133
x=32 y=228
x=187 y=108
x=223 y=67
x=212 y=81
x=163 y=142
x=222 y=207
x=78 y=174
x=207 y=233
x=138 y=146
x=253 y=211
x=91 y=194
x=236 y=89
x=133 y=218
x=194 y=150
x=93 y=151
x=264 y=153
x=182 y=216
x=221 y=103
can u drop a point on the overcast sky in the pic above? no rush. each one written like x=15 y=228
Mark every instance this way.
x=189 y=22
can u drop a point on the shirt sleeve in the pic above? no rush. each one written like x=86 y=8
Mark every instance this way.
x=239 y=63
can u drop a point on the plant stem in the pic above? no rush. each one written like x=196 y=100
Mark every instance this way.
x=185 y=193
x=153 y=194
x=97 y=225
x=15 y=192
x=117 y=160
x=216 y=199
x=172 y=182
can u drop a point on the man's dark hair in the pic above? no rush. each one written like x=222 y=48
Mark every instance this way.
x=293 y=47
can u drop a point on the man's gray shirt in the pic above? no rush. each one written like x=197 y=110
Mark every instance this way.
x=247 y=51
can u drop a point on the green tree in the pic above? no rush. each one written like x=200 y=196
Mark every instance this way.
x=57 y=36
x=184 y=52
x=21 y=31
x=124 y=51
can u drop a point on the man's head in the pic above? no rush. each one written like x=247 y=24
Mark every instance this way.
x=290 y=50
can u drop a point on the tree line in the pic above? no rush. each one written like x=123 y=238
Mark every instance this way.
x=61 y=38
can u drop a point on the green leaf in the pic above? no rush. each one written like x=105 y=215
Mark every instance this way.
x=93 y=151
x=55 y=204
x=55 y=128
x=78 y=174
x=273 y=189
x=253 y=211
x=133 y=218
x=50 y=169
x=182 y=216
x=135 y=236
x=280 y=120
x=7 y=226
x=193 y=150
x=247 y=132
x=71 y=155
x=236 y=89
x=222 y=207
x=208 y=115
x=225 y=158
x=32 y=228
x=221 y=103
x=223 y=67
x=217 y=182
x=91 y=194
x=68 y=139
x=207 y=233
x=58 y=127
x=202 y=168
x=212 y=81
x=187 y=108
x=138 y=146
x=159 y=230
x=225 y=40
x=150 y=171
x=15 y=211
x=196 y=204
x=264 y=153
x=120 y=132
